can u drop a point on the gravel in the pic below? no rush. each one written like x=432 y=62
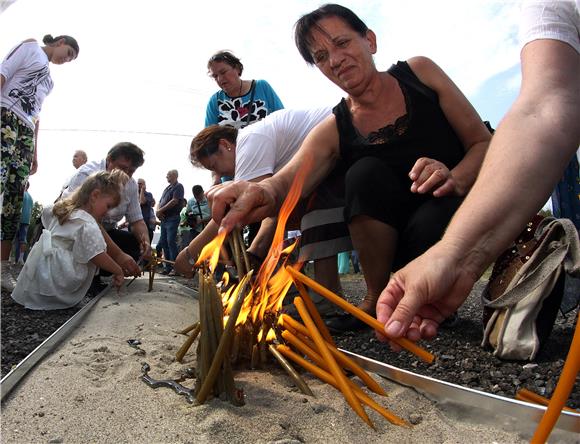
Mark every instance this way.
x=461 y=359
x=23 y=330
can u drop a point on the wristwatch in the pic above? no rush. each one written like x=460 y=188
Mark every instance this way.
x=190 y=258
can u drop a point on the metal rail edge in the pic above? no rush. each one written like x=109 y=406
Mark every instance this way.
x=443 y=391
x=13 y=378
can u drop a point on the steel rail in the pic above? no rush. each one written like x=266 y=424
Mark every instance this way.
x=13 y=378
x=442 y=391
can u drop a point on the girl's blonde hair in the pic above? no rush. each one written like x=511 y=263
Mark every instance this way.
x=110 y=183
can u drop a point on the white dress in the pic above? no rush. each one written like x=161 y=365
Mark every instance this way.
x=58 y=271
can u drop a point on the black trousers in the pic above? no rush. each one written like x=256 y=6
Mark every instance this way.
x=374 y=189
x=126 y=242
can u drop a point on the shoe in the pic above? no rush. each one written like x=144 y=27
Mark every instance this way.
x=172 y=273
x=165 y=272
x=344 y=323
x=8 y=282
x=450 y=322
x=97 y=285
x=325 y=308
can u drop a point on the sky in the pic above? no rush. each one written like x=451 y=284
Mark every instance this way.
x=141 y=73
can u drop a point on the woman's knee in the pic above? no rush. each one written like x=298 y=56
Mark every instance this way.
x=373 y=189
x=365 y=175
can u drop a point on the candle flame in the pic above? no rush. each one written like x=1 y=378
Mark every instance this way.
x=273 y=281
x=271 y=335
x=225 y=279
x=211 y=251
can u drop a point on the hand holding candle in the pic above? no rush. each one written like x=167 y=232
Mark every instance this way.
x=358 y=313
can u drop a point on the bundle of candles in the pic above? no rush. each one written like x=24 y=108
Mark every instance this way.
x=255 y=327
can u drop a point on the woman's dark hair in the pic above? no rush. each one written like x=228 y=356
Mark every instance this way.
x=305 y=24
x=128 y=150
x=207 y=142
x=226 y=57
x=70 y=41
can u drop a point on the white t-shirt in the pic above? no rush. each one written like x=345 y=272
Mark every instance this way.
x=129 y=206
x=28 y=81
x=266 y=146
x=551 y=19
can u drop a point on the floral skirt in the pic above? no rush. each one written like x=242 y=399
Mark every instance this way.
x=17 y=153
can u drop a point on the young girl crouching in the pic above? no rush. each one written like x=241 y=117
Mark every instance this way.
x=61 y=265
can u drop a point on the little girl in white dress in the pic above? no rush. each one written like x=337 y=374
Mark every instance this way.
x=61 y=265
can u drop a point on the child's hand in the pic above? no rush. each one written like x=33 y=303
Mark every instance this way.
x=118 y=280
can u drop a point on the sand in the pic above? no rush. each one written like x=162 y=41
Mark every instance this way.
x=89 y=391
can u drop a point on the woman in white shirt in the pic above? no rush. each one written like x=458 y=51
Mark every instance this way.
x=25 y=82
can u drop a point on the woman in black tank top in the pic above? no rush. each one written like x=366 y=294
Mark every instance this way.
x=411 y=142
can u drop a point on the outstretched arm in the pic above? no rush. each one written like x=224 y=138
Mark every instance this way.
x=106 y=262
x=182 y=264
x=532 y=146
x=529 y=151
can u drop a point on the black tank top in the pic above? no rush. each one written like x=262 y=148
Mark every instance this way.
x=422 y=132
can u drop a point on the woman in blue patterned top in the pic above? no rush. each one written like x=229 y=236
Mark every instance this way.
x=238 y=102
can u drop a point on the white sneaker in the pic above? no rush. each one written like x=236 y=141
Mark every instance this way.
x=7 y=280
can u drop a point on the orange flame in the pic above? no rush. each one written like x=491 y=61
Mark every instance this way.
x=271 y=335
x=225 y=279
x=273 y=256
x=212 y=251
x=268 y=292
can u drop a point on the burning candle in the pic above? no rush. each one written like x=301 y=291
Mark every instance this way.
x=329 y=379
x=336 y=371
x=563 y=389
x=211 y=251
x=360 y=314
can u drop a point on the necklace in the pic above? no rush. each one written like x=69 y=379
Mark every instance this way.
x=241 y=84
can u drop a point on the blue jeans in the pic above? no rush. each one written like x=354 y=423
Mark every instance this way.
x=168 y=238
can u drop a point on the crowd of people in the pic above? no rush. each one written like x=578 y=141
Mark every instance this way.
x=402 y=172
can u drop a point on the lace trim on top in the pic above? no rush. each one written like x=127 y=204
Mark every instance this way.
x=393 y=130
x=389 y=132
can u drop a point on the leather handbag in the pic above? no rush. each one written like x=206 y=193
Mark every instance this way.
x=524 y=293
